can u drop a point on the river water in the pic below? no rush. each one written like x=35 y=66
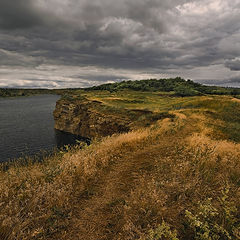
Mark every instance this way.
x=27 y=127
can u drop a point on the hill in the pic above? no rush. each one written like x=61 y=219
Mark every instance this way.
x=173 y=174
x=179 y=86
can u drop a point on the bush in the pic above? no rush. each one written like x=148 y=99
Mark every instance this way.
x=184 y=91
x=210 y=223
x=163 y=231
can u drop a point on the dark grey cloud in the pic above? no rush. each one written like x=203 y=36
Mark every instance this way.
x=101 y=78
x=19 y=14
x=185 y=37
x=234 y=65
x=235 y=79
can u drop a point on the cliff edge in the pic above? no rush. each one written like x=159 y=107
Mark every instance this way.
x=88 y=118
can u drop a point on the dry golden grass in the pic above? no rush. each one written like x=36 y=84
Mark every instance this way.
x=121 y=186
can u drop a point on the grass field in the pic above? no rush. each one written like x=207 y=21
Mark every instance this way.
x=177 y=177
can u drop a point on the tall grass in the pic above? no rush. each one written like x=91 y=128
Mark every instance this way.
x=171 y=180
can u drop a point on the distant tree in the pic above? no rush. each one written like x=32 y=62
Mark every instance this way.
x=184 y=91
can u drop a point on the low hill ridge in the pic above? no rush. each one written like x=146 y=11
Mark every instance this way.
x=178 y=85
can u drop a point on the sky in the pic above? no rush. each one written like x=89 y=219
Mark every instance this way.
x=81 y=43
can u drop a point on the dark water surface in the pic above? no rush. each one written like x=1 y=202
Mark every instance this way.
x=27 y=127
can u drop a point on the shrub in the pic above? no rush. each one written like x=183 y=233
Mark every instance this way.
x=184 y=91
x=210 y=223
x=163 y=231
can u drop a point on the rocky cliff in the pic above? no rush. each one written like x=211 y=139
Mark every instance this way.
x=88 y=118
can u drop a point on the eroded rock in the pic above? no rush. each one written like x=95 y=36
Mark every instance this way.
x=88 y=119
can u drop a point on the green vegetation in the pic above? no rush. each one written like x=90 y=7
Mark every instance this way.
x=210 y=222
x=18 y=92
x=9 y=92
x=174 y=176
x=178 y=85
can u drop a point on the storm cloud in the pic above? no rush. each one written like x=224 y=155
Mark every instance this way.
x=19 y=14
x=77 y=43
x=234 y=65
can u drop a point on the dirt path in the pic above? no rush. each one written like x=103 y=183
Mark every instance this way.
x=102 y=214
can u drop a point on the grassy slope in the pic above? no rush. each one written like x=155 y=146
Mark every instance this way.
x=123 y=186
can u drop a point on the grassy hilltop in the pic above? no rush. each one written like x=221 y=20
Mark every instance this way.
x=175 y=175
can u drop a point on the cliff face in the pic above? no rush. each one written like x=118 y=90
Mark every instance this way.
x=87 y=119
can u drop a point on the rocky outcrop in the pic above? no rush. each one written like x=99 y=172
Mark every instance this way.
x=88 y=118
